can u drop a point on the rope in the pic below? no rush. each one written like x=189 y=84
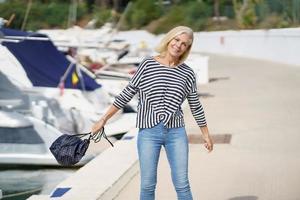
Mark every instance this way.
x=22 y=193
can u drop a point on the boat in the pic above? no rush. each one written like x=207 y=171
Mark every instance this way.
x=25 y=141
x=38 y=106
x=55 y=79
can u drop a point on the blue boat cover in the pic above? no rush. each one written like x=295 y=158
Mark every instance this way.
x=43 y=63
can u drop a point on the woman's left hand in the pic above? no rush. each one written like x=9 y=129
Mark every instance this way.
x=208 y=142
x=206 y=137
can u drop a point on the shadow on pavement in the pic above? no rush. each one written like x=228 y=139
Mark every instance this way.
x=244 y=198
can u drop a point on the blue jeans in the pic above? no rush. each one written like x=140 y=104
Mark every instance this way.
x=175 y=142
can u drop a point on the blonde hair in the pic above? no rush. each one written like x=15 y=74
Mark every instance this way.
x=163 y=45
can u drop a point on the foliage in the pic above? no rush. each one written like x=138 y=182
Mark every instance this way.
x=171 y=19
x=273 y=21
x=102 y=16
x=142 y=12
x=41 y=15
x=279 y=13
x=245 y=12
x=192 y=14
x=197 y=14
x=13 y=7
x=156 y=16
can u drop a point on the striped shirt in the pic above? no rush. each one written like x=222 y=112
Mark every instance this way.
x=161 y=92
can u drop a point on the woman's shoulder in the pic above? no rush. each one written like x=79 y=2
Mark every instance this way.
x=187 y=69
x=146 y=61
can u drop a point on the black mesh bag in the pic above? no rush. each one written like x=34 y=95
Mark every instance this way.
x=69 y=149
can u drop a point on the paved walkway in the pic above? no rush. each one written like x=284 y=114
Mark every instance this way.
x=258 y=102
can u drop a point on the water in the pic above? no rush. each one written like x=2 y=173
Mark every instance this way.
x=19 y=184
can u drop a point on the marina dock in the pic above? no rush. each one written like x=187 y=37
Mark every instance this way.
x=256 y=104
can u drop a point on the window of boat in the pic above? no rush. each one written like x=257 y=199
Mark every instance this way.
x=21 y=140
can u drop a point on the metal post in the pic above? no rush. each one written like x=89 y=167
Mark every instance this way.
x=26 y=14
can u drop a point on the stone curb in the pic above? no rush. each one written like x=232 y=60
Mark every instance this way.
x=103 y=177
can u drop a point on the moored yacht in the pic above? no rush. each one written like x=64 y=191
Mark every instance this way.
x=25 y=140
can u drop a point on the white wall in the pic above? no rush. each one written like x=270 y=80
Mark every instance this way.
x=278 y=45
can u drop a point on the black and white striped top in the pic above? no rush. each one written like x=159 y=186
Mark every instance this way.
x=161 y=92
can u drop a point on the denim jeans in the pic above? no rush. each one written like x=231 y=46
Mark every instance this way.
x=175 y=142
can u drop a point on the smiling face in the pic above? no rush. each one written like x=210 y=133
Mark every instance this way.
x=178 y=45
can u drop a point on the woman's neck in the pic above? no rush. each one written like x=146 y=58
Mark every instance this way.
x=168 y=60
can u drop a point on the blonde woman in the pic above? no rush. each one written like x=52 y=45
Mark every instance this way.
x=163 y=82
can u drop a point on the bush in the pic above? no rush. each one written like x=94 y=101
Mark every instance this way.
x=170 y=20
x=52 y=15
x=141 y=13
x=197 y=14
x=13 y=7
x=274 y=21
x=192 y=14
x=102 y=15
x=55 y=15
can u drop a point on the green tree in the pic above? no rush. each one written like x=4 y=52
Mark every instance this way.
x=245 y=12
x=142 y=12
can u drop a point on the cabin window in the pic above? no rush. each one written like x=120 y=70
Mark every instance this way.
x=22 y=140
x=26 y=135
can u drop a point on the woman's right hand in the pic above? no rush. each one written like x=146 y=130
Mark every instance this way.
x=98 y=126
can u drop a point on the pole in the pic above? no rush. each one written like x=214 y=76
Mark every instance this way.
x=72 y=13
x=26 y=14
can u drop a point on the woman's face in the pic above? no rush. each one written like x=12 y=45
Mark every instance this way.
x=178 y=45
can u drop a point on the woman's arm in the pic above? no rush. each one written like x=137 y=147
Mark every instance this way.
x=199 y=116
x=206 y=137
x=100 y=124
x=198 y=113
x=122 y=99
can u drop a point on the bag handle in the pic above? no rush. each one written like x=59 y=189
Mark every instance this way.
x=80 y=135
x=96 y=137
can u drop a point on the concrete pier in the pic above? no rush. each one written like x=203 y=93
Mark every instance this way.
x=257 y=103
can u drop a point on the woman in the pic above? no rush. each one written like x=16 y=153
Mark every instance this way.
x=163 y=82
